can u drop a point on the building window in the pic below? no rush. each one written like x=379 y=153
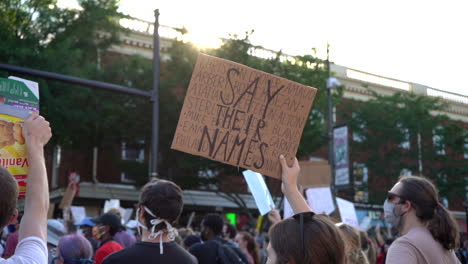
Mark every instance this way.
x=405 y=144
x=361 y=177
x=438 y=140
x=358 y=135
x=207 y=176
x=131 y=154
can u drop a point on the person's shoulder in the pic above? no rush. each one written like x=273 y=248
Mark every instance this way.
x=402 y=248
x=419 y=237
x=183 y=255
x=121 y=256
x=31 y=250
x=197 y=246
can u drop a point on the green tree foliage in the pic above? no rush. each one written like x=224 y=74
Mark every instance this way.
x=39 y=35
x=383 y=125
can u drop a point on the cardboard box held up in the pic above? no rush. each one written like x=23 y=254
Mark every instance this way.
x=314 y=174
x=18 y=99
x=241 y=116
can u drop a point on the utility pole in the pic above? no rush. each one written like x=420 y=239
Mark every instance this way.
x=155 y=99
x=331 y=156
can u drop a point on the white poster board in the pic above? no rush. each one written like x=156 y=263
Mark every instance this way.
x=78 y=213
x=110 y=204
x=365 y=224
x=288 y=211
x=347 y=212
x=259 y=191
x=320 y=200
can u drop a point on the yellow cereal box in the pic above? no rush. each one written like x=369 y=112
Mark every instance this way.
x=18 y=98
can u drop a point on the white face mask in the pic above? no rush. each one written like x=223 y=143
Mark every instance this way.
x=389 y=214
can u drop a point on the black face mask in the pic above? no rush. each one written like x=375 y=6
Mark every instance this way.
x=11 y=228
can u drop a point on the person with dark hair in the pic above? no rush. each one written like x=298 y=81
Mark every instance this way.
x=229 y=232
x=122 y=237
x=190 y=240
x=32 y=235
x=248 y=245
x=306 y=237
x=159 y=207
x=107 y=225
x=428 y=233
x=215 y=249
x=73 y=249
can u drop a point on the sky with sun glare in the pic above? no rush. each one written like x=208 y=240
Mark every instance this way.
x=410 y=40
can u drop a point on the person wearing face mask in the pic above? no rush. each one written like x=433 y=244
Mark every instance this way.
x=107 y=225
x=160 y=205
x=428 y=233
x=214 y=248
x=86 y=229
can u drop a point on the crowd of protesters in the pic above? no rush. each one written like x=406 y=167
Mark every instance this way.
x=423 y=231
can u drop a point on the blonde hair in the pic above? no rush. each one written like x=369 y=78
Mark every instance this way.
x=353 y=251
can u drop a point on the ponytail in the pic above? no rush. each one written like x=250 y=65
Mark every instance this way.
x=424 y=198
x=444 y=228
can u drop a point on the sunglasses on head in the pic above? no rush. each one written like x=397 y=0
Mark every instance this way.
x=301 y=217
x=391 y=196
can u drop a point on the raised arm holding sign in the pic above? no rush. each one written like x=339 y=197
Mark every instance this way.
x=33 y=232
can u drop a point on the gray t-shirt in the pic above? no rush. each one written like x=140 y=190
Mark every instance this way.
x=419 y=247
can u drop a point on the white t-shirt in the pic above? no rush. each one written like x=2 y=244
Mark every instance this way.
x=31 y=250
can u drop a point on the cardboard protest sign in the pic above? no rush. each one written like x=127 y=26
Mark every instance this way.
x=18 y=99
x=68 y=197
x=259 y=190
x=50 y=212
x=314 y=174
x=241 y=116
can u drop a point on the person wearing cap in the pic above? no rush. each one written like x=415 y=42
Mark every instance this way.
x=86 y=227
x=160 y=205
x=55 y=230
x=32 y=235
x=123 y=237
x=107 y=225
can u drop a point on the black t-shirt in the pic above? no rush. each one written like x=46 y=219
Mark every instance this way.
x=148 y=253
x=207 y=252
